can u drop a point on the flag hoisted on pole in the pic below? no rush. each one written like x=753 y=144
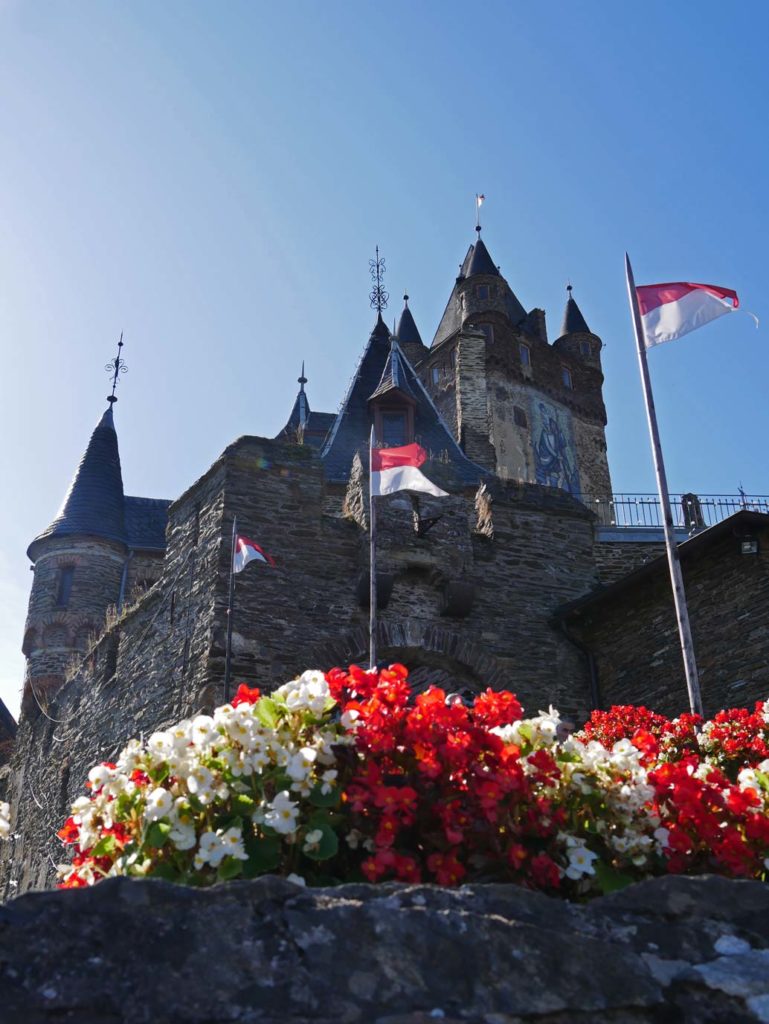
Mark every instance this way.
x=391 y=470
x=242 y=552
x=664 y=312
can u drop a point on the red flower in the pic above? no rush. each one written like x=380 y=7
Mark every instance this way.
x=245 y=695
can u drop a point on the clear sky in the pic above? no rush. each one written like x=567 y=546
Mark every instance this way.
x=212 y=179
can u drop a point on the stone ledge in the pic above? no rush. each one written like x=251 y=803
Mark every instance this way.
x=267 y=951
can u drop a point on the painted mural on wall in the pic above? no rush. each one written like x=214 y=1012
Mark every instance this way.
x=552 y=438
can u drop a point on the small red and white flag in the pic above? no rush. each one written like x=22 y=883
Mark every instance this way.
x=397 y=469
x=248 y=551
x=668 y=311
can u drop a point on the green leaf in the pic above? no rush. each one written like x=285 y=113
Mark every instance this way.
x=157 y=834
x=242 y=804
x=264 y=854
x=319 y=799
x=327 y=847
x=106 y=847
x=609 y=878
x=165 y=870
x=158 y=772
x=229 y=868
x=266 y=711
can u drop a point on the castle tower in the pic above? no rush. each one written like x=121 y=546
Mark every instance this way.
x=79 y=562
x=524 y=409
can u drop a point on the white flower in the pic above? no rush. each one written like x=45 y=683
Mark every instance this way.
x=328 y=780
x=350 y=718
x=204 y=733
x=282 y=814
x=159 y=804
x=580 y=862
x=199 y=779
x=661 y=835
x=183 y=836
x=300 y=764
x=232 y=844
x=311 y=840
x=160 y=746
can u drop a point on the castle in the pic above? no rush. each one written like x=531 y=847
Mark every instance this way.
x=512 y=581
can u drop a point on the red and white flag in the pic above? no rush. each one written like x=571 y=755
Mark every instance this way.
x=668 y=311
x=248 y=551
x=397 y=469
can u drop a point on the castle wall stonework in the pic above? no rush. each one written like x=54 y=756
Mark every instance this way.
x=635 y=640
x=163 y=659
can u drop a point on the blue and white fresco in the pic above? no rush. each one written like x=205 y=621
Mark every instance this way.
x=555 y=457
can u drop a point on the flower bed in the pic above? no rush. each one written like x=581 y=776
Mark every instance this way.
x=345 y=776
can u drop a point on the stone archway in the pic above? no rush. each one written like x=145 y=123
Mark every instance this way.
x=434 y=655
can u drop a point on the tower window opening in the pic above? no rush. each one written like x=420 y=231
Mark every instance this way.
x=436 y=374
x=453 y=358
x=525 y=353
x=394 y=431
x=64 y=590
x=519 y=417
x=488 y=330
x=586 y=349
x=566 y=378
x=482 y=291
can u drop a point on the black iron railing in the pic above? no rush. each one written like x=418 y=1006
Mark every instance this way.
x=690 y=511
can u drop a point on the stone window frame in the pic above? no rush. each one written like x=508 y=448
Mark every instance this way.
x=435 y=375
x=524 y=352
x=566 y=378
x=520 y=418
x=586 y=349
x=64 y=581
x=484 y=292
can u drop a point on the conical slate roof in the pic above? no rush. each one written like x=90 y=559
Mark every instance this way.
x=573 y=321
x=313 y=426
x=477 y=261
x=480 y=261
x=382 y=365
x=407 y=332
x=394 y=375
x=94 y=504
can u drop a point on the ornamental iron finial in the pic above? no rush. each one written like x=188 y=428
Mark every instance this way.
x=114 y=368
x=378 y=297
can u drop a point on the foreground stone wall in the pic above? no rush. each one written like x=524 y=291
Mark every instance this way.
x=689 y=951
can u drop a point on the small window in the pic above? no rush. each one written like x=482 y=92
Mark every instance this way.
x=488 y=330
x=586 y=349
x=519 y=417
x=66 y=576
x=394 y=429
x=566 y=378
x=436 y=375
x=453 y=358
x=525 y=355
x=482 y=291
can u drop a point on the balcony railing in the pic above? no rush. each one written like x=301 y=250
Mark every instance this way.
x=691 y=512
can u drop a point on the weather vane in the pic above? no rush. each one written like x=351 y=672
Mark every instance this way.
x=379 y=296
x=114 y=368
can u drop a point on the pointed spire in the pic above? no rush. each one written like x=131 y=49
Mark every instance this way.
x=480 y=261
x=407 y=332
x=573 y=321
x=394 y=376
x=94 y=504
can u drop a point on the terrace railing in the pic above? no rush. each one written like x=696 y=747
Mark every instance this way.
x=691 y=512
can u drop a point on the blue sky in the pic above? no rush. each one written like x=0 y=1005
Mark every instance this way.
x=212 y=179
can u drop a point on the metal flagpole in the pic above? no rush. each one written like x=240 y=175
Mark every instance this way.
x=228 y=650
x=676 y=577
x=372 y=560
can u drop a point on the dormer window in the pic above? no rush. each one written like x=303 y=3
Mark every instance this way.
x=566 y=378
x=525 y=353
x=393 y=425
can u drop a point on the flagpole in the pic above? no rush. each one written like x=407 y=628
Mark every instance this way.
x=372 y=559
x=676 y=576
x=228 y=649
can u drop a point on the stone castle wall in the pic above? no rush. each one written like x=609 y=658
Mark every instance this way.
x=635 y=640
x=472 y=605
